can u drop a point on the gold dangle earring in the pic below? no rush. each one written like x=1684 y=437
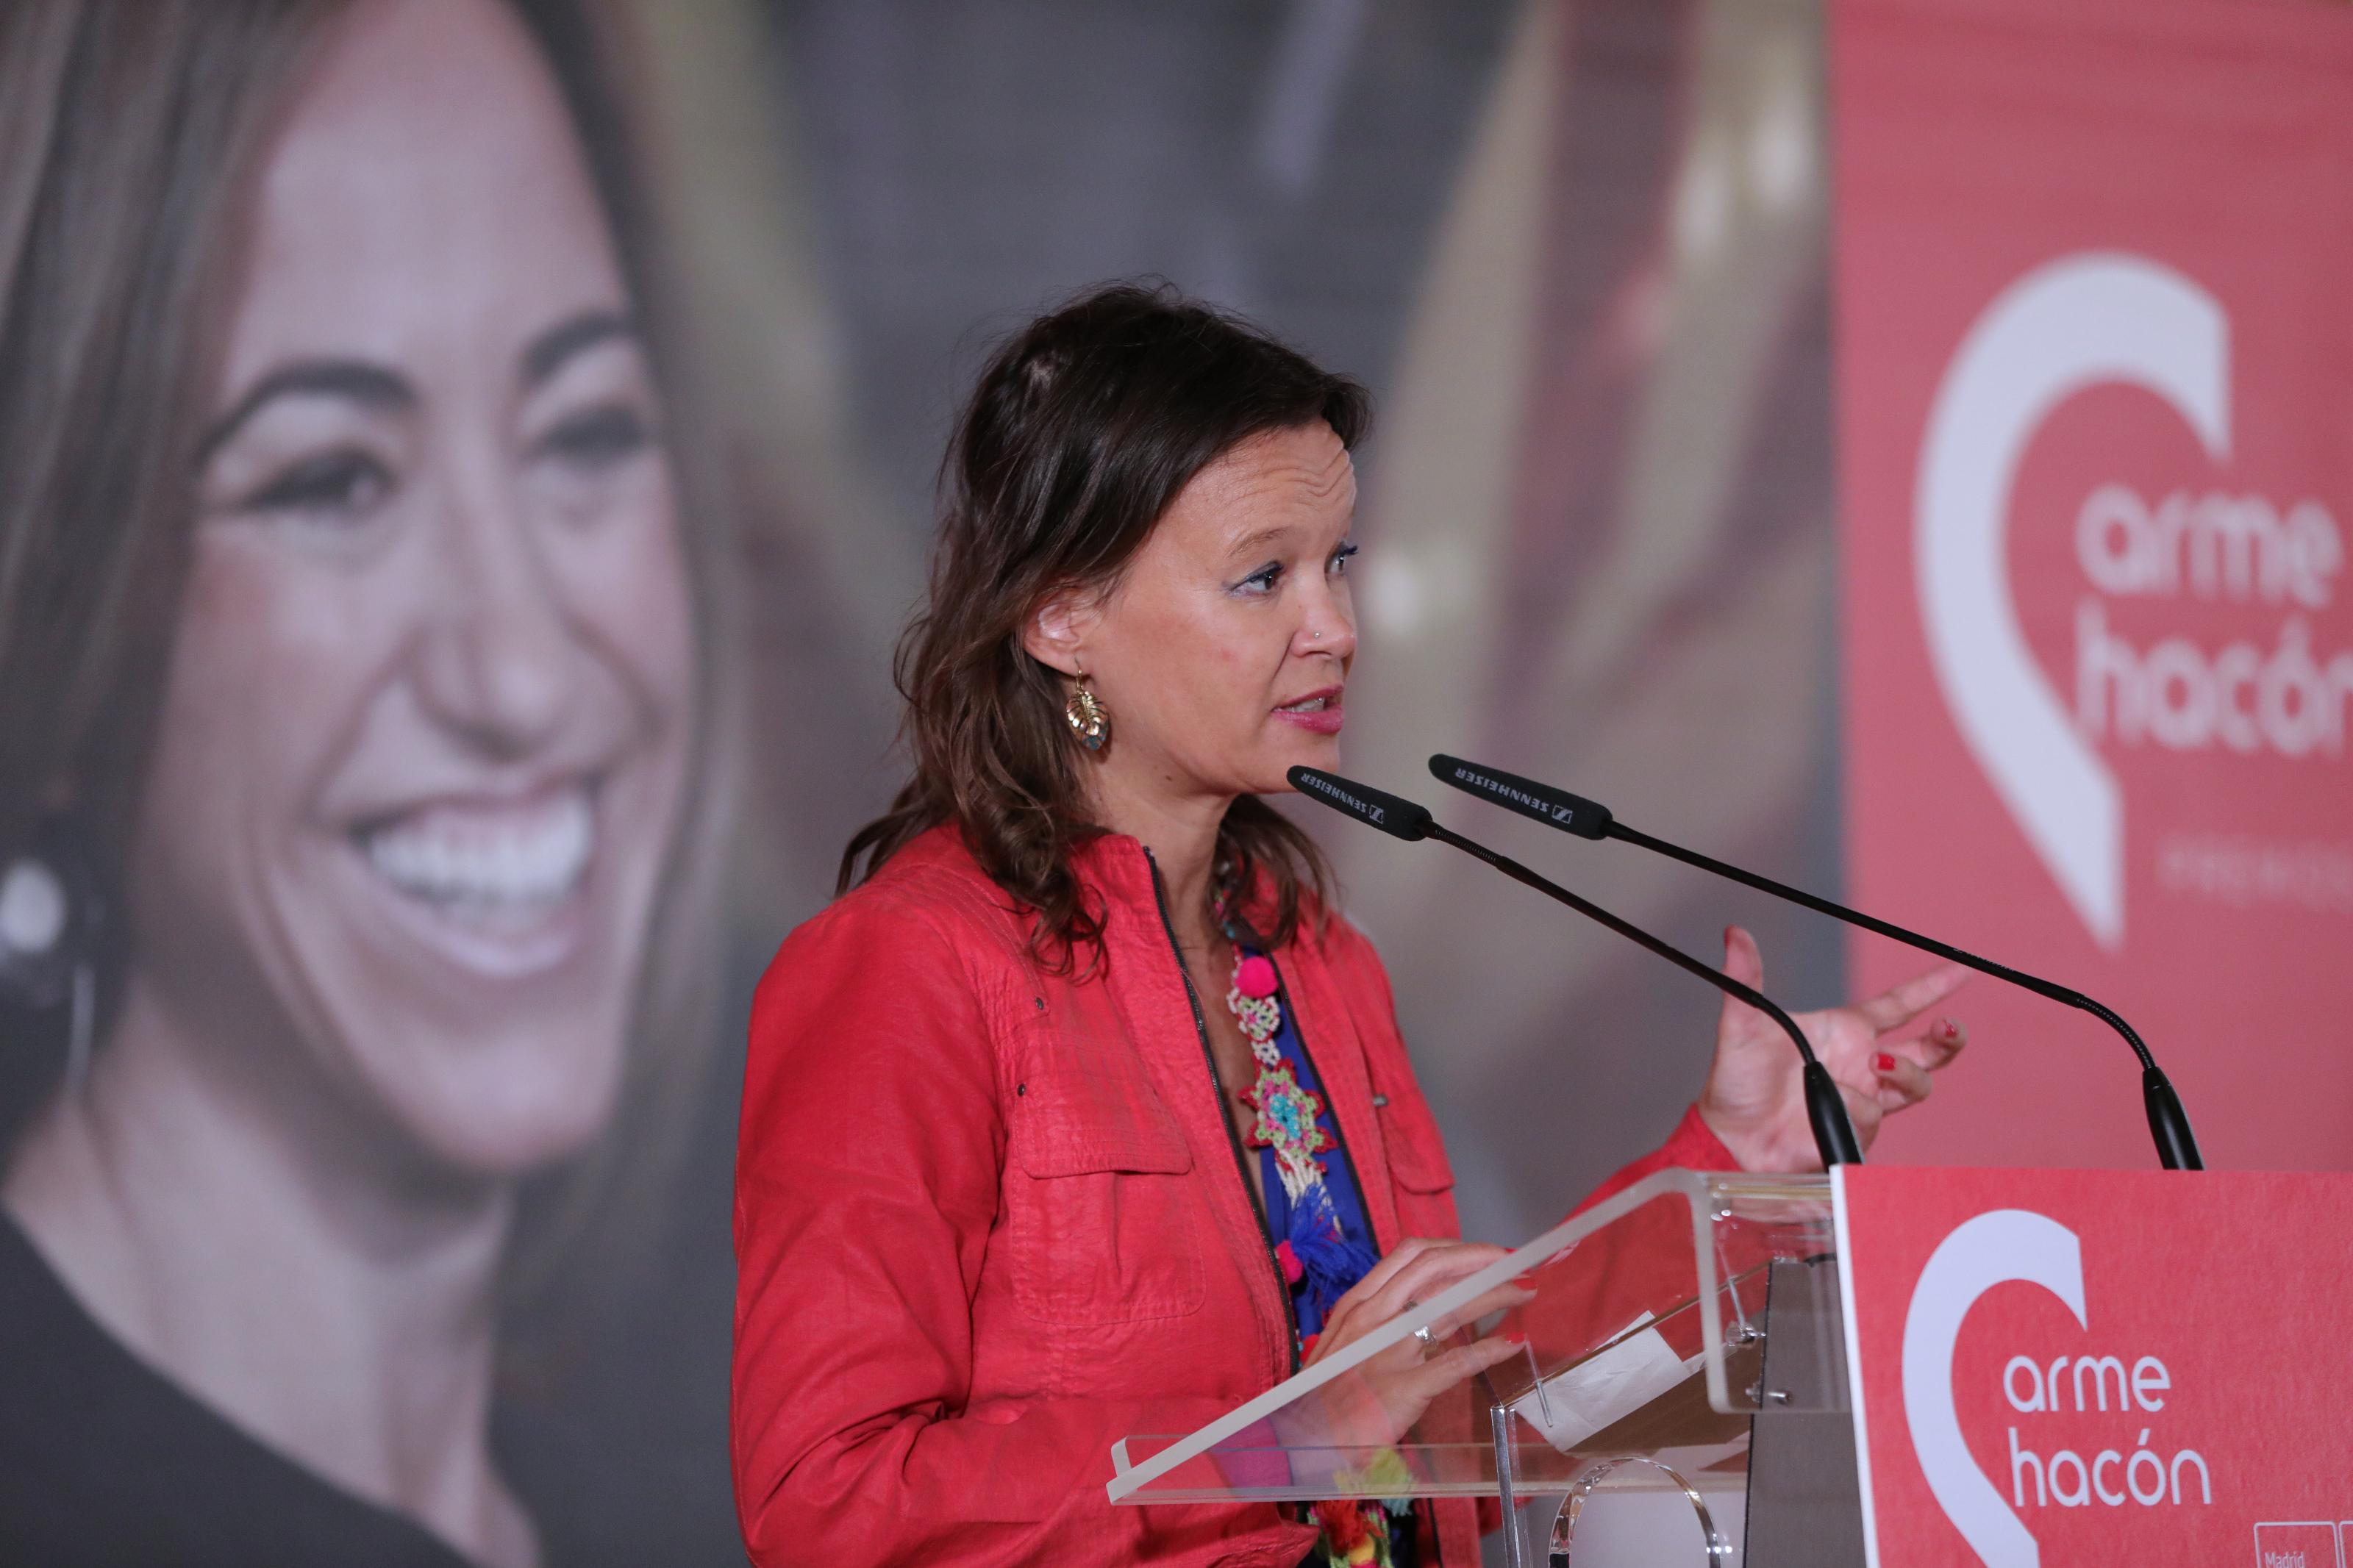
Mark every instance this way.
x=1088 y=720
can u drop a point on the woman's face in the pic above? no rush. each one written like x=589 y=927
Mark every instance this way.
x=1222 y=652
x=427 y=723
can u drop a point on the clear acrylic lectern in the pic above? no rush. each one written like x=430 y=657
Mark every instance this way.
x=1685 y=1340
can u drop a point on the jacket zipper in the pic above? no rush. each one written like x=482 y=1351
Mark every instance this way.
x=1218 y=1093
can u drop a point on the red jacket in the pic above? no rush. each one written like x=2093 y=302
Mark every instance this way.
x=989 y=1221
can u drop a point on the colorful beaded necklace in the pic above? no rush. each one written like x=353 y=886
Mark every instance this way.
x=1286 y=1111
x=1316 y=1251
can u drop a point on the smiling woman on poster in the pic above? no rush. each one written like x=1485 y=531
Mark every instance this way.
x=1082 y=1112
x=352 y=696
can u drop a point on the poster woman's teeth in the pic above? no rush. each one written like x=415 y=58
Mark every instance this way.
x=492 y=864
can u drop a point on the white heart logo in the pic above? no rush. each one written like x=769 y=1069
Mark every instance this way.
x=1991 y=1249
x=2070 y=324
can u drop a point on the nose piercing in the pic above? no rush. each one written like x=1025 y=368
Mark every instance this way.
x=1314 y=637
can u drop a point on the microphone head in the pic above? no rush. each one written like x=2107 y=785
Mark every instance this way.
x=1554 y=807
x=1391 y=813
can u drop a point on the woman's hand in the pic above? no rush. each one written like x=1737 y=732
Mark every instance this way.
x=1408 y=1376
x=1880 y=1051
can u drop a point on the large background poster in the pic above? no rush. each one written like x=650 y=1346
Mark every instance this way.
x=440 y=841
x=463 y=464
x=2095 y=402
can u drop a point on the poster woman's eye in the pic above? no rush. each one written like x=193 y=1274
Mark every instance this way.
x=598 y=439
x=344 y=485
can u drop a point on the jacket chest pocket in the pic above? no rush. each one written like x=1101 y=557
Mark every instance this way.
x=1099 y=1196
x=1418 y=1169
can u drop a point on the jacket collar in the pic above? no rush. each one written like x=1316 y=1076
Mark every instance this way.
x=1116 y=872
x=1118 y=869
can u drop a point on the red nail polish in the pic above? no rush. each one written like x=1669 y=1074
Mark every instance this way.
x=1885 y=1062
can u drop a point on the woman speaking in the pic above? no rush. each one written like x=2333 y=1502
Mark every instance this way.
x=1082 y=1113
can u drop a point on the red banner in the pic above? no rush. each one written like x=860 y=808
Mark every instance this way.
x=2096 y=362
x=2097 y=1366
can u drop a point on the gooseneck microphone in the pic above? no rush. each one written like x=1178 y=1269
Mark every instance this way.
x=1834 y=1137
x=2168 y=1123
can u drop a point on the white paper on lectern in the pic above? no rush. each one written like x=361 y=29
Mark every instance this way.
x=1605 y=1388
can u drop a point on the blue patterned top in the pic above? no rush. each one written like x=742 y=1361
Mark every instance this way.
x=1333 y=1237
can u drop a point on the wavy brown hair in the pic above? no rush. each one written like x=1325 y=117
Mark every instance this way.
x=1082 y=430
